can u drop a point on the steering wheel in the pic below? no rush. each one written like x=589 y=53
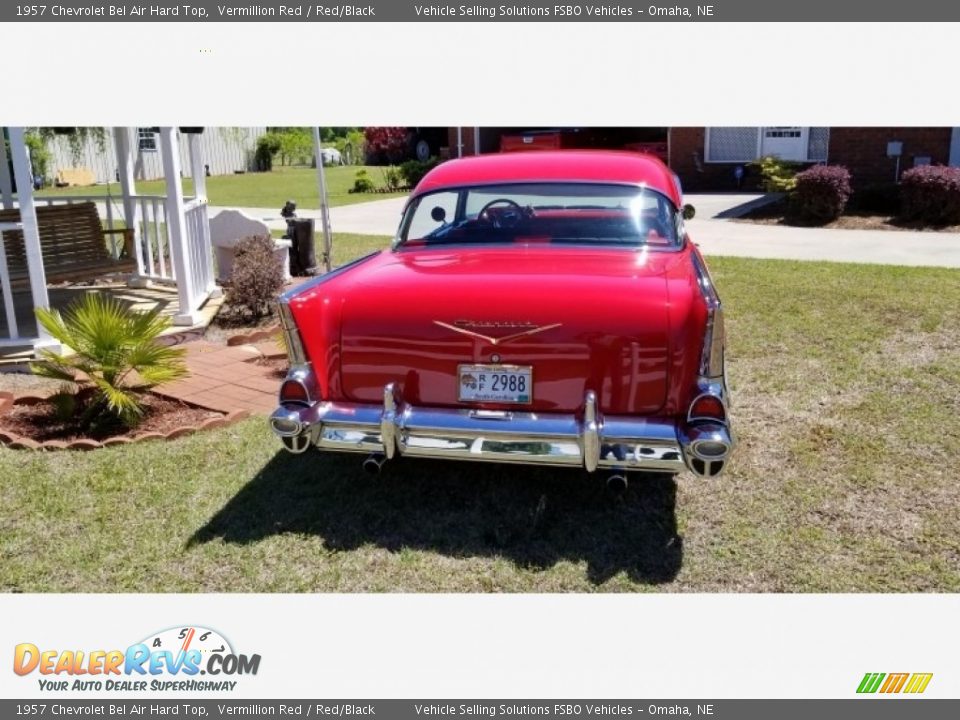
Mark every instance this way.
x=507 y=217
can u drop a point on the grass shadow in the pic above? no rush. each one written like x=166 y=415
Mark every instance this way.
x=534 y=517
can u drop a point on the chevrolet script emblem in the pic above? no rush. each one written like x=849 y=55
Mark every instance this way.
x=471 y=327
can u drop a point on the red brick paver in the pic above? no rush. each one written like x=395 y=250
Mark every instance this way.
x=225 y=379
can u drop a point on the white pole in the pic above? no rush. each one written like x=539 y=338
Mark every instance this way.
x=177 y=228
x=199 y=172
x=128 y=188
x=459 y=142
x=476 y=141
x=6 y=186
x=31 y=230
x=324 y=207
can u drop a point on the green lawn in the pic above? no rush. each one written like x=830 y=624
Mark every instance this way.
x=269 y=190
x=846 y=384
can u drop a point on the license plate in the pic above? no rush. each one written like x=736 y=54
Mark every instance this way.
x=496 y=383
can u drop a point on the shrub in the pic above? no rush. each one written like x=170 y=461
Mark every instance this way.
x=362 y=183
x=386 y=144
x=117 y=357
x=777 y=175
x=931 y=194
x=256 y=277
x=392 y=178
x=414 y=170
x=268 y=145
x=821 y=194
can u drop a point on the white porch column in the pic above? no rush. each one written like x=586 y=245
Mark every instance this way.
x=199 y=173
x=128 y=186
x=177 y=228
x=476 y=140
x=6 y=186
x=31 y=230
x=324 y=205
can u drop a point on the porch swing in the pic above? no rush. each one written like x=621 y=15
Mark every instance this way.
x=73 y=242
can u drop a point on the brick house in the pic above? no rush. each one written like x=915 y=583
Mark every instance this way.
x=706 y=158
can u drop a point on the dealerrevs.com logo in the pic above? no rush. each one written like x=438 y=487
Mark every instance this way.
x=176 y=659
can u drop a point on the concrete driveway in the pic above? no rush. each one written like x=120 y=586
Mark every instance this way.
x=714 y=231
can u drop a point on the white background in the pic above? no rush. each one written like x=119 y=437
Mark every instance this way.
x=514 y=74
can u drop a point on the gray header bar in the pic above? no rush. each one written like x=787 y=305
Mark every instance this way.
x=875 y=708
x=479 y=11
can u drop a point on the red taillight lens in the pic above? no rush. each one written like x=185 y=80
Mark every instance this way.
x=294 y=391
x=708 y=406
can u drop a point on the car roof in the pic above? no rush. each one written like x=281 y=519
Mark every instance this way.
x=611 y=166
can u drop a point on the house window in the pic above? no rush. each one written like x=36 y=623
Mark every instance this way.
x=732 y=144
x=146 y=140
x=746 y=144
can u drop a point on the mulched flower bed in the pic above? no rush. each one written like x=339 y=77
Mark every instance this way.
x=775 y=214
x=162 y=416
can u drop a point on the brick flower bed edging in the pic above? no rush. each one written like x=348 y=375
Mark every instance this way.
x=18 y=442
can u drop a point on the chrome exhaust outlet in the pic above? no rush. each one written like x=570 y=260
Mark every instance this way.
x=617 y=483
x=706 y=448
x=373 y=465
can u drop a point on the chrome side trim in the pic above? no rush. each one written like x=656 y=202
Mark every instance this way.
x=291 y=335
x=711 y=358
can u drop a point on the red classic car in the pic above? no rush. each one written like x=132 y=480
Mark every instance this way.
x=544 y=308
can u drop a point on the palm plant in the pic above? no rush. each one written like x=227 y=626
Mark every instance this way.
x=117 y=355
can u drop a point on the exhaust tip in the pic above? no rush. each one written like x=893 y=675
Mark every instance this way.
x=617 y=483
x=373 y=465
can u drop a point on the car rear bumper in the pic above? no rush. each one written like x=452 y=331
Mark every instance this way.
x=585 y=440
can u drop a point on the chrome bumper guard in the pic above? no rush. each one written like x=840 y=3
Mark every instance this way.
x=589 y=440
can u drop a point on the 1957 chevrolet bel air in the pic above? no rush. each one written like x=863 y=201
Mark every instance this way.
x=543 y=307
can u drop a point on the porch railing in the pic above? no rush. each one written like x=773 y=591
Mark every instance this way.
x=199 y=252
x=11 y=336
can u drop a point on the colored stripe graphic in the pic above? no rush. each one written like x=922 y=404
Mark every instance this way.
x=870 y=682
x=918 y=683
x=894 y=683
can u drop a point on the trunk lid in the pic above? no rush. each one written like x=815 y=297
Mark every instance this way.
x=582 y=318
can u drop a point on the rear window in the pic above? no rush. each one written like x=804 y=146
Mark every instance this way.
x=543 y=212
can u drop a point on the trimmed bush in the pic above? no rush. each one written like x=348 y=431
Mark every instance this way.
x=777 y=175
x=821 y=194
x=931 y=195
x=256 y=278
x=414 y=170
x=362 y=183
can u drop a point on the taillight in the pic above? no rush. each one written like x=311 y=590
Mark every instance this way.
x=294 y=391
x=707 y=407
